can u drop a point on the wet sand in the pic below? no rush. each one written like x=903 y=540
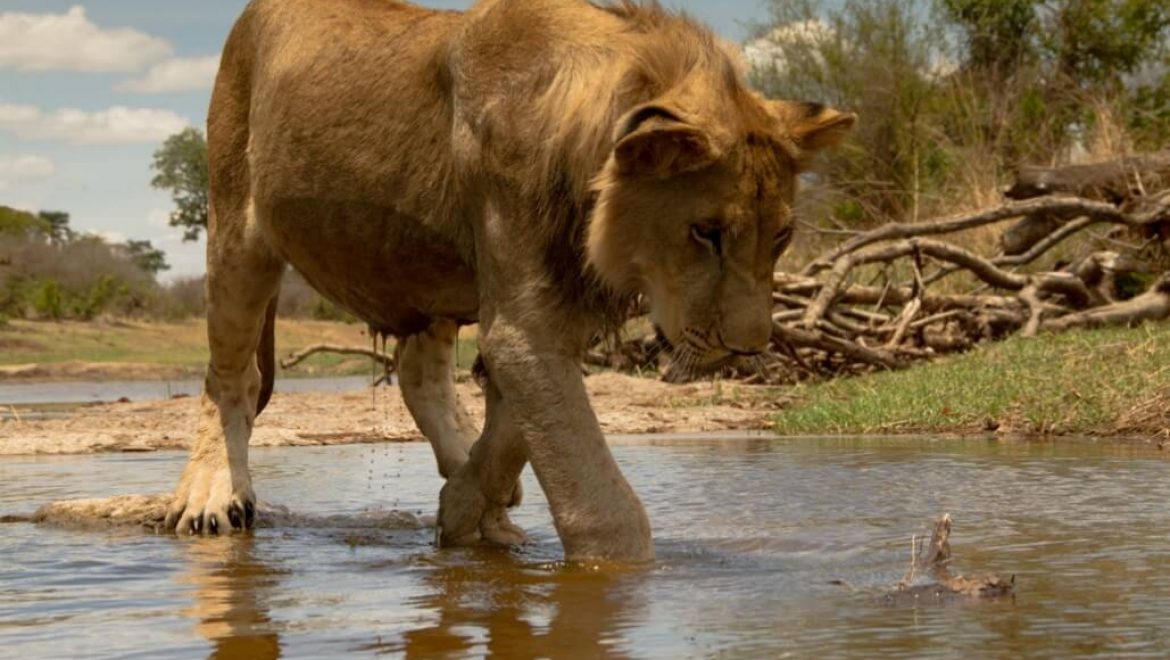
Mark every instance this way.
x=624 y=405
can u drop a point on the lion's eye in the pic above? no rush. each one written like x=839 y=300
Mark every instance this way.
x=709 y=236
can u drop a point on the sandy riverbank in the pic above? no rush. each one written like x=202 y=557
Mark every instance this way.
x=624 y=405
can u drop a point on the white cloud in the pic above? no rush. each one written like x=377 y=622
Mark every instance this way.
x=24 y=167
x=70 y=42
x=770 y=50
x=111 y=126
x=180 y=74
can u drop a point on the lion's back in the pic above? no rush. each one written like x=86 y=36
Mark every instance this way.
x=331 y=91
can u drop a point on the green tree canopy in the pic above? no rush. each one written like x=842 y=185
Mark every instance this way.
x=14 y=222
x=954 y=94
x=181 y=167
x=147 y=257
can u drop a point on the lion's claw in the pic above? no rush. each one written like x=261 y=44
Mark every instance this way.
x=235 y=518
x=206 y=502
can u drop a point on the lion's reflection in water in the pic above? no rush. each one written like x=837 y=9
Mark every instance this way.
x=467 y=602
x=231 y=588
x=482 y=603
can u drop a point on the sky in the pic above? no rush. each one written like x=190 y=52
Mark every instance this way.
x=89 y=89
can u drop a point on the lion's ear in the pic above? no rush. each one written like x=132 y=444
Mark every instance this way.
x=654 y=141
x=812 y=126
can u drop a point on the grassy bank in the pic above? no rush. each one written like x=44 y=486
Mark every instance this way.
x=170 y=349
x=1101 y=382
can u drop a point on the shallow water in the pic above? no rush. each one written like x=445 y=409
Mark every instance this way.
x=750 y=534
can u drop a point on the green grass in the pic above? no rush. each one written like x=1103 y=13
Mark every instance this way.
x=184 y=344
x=180 y=344
x=1077 y=382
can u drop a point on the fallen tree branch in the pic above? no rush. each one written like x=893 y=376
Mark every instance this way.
x=1153 y=305
x=1063 y=283
x=297 y=357
x=1102 y=211
x=1031 y=297
x=815 y=339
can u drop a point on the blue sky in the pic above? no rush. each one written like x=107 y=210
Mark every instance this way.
x=89 y=89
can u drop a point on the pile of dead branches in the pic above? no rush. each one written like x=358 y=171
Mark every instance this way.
x=880 y=299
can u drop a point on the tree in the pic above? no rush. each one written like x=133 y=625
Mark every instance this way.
x=147 y=257
x=58 y=229
x=1070 y=58
x=181 y=166
x=995 y=33
x=14 y=222
x=953 y=94
x=876 y=58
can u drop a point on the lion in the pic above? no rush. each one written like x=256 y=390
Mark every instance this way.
x=527 y=165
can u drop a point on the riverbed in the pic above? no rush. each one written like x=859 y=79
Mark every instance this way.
x=766 y=546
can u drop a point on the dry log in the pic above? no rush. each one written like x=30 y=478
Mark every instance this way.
x=1153 y=305
x=1112 y=181
x=908 y=313
x=797 y=337
x=1119 y=182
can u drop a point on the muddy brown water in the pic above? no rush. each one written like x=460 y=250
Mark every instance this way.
x=750 y=534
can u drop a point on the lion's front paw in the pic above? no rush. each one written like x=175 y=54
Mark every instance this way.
x=207 y=502
x=466 y=517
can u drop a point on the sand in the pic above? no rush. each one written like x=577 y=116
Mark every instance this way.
x=624 y=405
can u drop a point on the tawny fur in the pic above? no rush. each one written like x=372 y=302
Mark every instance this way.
x=528 y=164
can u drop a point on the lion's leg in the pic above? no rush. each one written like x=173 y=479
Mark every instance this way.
x=426 y=375
x=596 y=512
x=243 y=274
x=474 y=501
x=473 y=504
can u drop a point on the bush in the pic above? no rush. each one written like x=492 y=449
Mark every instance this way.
x=46 y=300
x=299 y=300
x=51 y=273
x=954 y=95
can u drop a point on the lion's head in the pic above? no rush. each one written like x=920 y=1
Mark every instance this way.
x=693 y=209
